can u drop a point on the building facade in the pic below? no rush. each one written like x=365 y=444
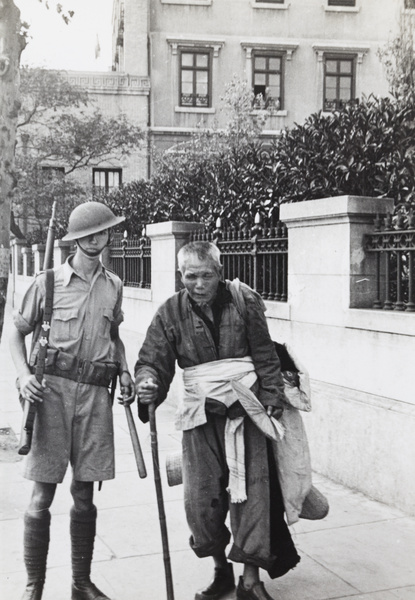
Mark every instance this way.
x=173 y=59
x=299 y=56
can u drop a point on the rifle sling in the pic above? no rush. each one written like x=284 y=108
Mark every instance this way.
x=44 y=334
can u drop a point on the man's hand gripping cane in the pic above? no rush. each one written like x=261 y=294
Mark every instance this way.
x=147 y=391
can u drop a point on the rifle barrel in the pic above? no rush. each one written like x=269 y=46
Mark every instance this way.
x=47 y=261
x=29 y=411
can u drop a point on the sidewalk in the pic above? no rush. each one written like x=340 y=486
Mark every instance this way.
x=362 y=550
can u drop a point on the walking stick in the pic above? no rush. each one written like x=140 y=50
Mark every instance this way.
x=160 y=503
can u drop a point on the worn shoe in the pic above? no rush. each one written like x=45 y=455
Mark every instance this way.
x=223 y=582
x=256 y=592
x=33 y=591
x=87 y=591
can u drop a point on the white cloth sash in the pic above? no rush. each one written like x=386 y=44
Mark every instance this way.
x=212 y=380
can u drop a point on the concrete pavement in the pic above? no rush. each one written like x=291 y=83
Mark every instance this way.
x=362 y=550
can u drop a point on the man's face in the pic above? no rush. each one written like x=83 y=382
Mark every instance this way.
x=201 y=279
x=93 y=245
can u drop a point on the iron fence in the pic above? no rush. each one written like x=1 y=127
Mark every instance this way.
x=131 y=260
x=394 y=245
x=257 y=256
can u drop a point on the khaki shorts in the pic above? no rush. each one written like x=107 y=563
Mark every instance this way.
x=73 y=424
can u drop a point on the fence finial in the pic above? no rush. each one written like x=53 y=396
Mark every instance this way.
x=256 y=229
x=217 y=234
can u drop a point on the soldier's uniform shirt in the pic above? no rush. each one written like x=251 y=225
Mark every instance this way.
x=74 y=421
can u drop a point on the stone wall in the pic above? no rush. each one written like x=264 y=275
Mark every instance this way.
x=360 y=360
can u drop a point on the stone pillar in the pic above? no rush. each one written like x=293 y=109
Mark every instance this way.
x=61 y=251
x=27 y=261
x=166 y=240
x=38 y=257
x=17 y=257
x=328 y=268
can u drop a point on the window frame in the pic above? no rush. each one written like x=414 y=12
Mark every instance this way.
x=267 y=54
x=342 y=3
x=338 y=58
x=52 y=174
x=270 y=4
x=196 y=51
x=106 y=171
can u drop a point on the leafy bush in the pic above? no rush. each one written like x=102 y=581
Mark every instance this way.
x=366 y=149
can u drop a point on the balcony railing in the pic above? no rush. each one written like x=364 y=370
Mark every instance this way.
x=131 y=260
x=330 y=105
x=194 y=100
x=394 y=245
x=257 y=256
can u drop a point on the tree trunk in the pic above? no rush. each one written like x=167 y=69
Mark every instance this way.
x=11 y=46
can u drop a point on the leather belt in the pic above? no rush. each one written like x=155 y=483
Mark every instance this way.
x=68 y=366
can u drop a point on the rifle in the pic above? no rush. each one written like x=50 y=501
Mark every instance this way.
x=29 y=410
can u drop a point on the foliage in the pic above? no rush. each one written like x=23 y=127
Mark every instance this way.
x=59 y=133
x=398 y=57
x=366 y=149
x=217 y=173
x=44 y=90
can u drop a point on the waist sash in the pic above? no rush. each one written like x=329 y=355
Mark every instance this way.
x=213 y=380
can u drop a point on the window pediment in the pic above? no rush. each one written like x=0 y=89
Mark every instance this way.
x=268 y=46
x=336 y=48
x=195 y=42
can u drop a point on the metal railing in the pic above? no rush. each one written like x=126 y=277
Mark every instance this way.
x=257 y=256
x=131 y=260
x=394 y=245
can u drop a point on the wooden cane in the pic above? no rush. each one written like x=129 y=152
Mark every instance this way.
x=160 y=503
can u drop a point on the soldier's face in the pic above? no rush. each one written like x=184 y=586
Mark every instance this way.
x=93 y=245
x=201 y=279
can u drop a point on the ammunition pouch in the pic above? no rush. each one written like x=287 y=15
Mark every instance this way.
x=68 y=366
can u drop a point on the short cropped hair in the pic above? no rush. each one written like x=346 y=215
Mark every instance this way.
x=205 y=251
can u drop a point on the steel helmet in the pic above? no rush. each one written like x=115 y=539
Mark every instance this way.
x=89 y=218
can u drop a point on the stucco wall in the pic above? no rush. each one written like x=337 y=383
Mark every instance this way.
x=307 y=27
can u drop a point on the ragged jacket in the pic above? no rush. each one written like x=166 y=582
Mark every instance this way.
x=178 y=333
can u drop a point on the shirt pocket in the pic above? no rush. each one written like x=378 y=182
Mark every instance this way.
x=64 y=324
x=106 y=321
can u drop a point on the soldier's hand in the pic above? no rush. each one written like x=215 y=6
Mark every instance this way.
x=127 y=389
x=147 y=391
x=31 y=389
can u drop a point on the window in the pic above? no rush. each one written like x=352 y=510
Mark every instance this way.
x=53 y=174
x=339 y=82
x=195 y=76
x=410 y=4
x=106 y=179
x=267 y=78
x=342 y=2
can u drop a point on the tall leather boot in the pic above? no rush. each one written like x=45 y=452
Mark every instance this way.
x=83 y=527
x=36 y=546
